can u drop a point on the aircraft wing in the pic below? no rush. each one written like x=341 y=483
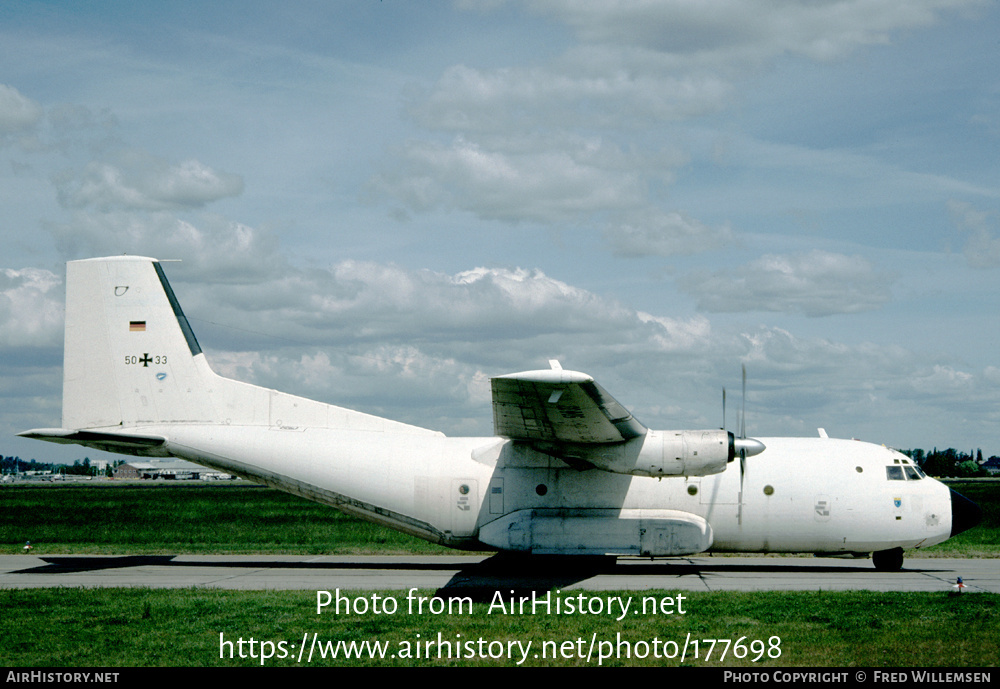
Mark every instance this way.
x=557 y=406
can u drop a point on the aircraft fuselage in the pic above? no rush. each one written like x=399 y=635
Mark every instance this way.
x=800 y=495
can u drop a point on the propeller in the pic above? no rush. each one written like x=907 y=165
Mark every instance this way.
x=743 y=433
x=746 y=447
x=742 y=445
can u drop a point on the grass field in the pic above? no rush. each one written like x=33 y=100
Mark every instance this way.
x=176 y=517
x=143 y=627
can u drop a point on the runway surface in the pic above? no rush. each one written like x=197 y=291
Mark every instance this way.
x=464 y=573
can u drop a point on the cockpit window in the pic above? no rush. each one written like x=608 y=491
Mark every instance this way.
x=904 y=472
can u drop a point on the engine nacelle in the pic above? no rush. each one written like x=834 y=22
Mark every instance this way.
x=684 y=453
x=669 y=453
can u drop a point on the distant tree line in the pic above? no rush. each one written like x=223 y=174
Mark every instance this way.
x=16 y=465
x=951 y=463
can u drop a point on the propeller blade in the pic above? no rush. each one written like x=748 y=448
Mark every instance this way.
x=741 y=444
x=746 y=447
x=743 y=413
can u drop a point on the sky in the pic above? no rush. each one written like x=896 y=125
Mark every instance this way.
x=383 y=204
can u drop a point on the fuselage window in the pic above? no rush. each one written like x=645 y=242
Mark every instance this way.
x=894 y=473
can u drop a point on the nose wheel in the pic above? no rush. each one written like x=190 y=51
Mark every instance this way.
x=888 y=560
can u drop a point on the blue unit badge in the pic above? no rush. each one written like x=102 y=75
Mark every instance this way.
x=898 y=502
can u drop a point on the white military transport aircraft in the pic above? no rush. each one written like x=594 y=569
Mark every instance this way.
x=569 y=472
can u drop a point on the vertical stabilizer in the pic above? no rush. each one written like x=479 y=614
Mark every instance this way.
x=131 y=359
x=130 y=355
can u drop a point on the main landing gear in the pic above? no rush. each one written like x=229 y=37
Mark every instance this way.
x=888 y=560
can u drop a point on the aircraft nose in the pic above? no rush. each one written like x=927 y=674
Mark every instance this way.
x=965 y=514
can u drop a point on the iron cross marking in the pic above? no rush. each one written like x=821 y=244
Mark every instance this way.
x=145 y=360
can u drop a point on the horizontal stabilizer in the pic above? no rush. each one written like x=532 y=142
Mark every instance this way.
x=122 y=443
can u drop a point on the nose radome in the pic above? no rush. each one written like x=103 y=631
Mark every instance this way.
x=965 y=514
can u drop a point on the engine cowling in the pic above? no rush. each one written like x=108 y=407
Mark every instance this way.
x=666 y=453
x=684 y=453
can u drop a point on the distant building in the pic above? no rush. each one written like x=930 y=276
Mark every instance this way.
x=167 y=469
x=992 y=465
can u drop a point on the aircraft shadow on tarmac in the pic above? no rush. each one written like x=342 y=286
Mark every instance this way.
x=524 y=575
x=477 y=579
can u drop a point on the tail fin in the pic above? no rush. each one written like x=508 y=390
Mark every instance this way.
x=131 y=361
x=131 y=357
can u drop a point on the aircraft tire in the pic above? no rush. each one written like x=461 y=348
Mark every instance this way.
x=888 y=560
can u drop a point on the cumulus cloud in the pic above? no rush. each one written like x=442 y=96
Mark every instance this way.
x=649 y=62
x=678 y=335
x=516 y=315
x=396 y=379
x=420 y=346
x=629 y=67
x=215 y=249
x=17 y=112
x=982 y=249
x=656 y=233
x=519 y=314
x=386 y=342
x=511 y=182
x=136 y=180
x=818 y=283
x=357 y=301
x=31 y=308
x=884 y=393
x=875 y=392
